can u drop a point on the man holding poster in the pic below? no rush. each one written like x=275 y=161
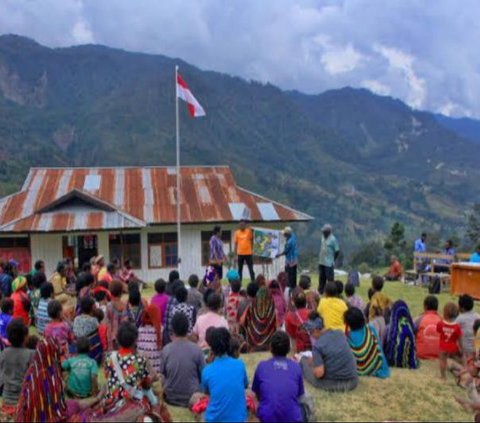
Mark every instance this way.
x=291 y=257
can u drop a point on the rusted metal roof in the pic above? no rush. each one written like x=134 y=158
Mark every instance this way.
x=77 y=199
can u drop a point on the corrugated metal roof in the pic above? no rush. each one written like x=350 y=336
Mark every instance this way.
x=138 y=196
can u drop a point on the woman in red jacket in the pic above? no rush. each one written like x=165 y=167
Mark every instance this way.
x=21 y=302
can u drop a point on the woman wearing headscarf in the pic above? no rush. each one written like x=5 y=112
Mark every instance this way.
x=21 y=301
x=150 y=336
x=259 y=320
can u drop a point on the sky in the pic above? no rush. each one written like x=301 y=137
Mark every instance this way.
x=424 y=52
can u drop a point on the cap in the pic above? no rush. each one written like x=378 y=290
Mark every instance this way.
x=311 y=325
x=327 y=227
x=287 y=230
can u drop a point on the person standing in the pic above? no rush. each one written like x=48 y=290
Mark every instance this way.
x=291 y=256
x=244 y=248
x=420 y=244
x=329 y=251
x=217 y=255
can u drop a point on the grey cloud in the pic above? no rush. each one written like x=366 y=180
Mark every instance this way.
x=423 y=53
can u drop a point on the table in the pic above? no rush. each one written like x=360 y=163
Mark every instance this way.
x=466 y=279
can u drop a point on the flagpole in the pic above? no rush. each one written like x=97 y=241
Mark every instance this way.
x=179 y=237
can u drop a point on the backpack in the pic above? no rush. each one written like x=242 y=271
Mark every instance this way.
x=435 y=286
x=353 y=278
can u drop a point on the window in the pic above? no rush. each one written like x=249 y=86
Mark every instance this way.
x=15 y=242
x=126 y=246
x=227 y=245
x=162 y=250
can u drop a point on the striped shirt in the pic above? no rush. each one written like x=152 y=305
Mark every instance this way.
x=147 y=345
x=41 y=315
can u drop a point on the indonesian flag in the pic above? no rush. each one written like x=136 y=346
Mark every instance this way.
x=183 y=92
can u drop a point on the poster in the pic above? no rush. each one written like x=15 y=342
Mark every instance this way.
x=266 y=242
x=155 y=256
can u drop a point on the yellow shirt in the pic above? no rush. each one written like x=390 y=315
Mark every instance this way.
x=332 y=311
x=244 y=241
x=58 y=283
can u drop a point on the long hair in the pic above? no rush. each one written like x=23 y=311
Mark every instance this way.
x=151 y=316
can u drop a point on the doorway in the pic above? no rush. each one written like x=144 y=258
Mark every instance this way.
x=80 y=248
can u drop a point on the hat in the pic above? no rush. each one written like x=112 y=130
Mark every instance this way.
x=311 y=325
x=327 y=227
x=287 y=230
x=19 y=283
x=13 y=263
x=233 y=275
x=99 y=258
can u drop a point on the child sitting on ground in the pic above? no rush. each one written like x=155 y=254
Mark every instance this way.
x=378 y=320
x=380 y=304
x=102 y=327
x=14 y=362
x=160 y=299
x=332 y=308
x=41 y=313
x=82 y=371
x=116 y=314
x=85 y=324
x=5 y=316
x=58 y=328
x=233 y=301
x=450 y=337
x=339 y=285
x=194 y=295
x=353 y=300
x=135 y=305
x=101 y=300
x=312 y=296
x=279 y=301
x=427 y=337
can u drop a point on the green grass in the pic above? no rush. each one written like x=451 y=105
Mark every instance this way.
x=408 y=395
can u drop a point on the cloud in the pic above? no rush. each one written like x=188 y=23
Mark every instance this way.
x=425 y=56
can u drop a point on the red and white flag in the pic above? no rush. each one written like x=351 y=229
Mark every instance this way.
x=183 y=92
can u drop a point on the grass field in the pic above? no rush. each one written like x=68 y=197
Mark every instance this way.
x=408 y=395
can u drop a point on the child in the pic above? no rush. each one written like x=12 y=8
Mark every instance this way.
x=379 y=304
x=58 y=328
x=279 y=301
x=427 y=337
x=41 y=314
x=181 y=295
x=160 y=299
x=102 y=327
x=5 y=316
x=332 y=308
x=450 y=337
x=101 y=300
x=85 y=324
x=339 y=285
x=312 y=296
x=150 y=337
x=353 y=300
x=233 y=302
x=378 y=320
x=194 y=296
x=466 y=319
x=14 y=362
x=117 y=313
x=135 y=304
x=82 y=371
x=21 y=302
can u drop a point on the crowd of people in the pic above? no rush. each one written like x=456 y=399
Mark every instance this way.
x=183 y=345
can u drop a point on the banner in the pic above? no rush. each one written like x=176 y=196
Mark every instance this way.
x=266 y=242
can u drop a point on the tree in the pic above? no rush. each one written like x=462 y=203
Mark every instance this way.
x=473 y=224
x=396 y=243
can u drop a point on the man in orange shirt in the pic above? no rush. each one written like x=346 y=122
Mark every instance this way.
x=244 y=248
x=395 y=272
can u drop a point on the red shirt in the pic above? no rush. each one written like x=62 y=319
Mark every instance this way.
x=450 y=334
x=293 y=323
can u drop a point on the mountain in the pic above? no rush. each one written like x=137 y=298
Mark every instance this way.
x=464 y=127
x=348 y=157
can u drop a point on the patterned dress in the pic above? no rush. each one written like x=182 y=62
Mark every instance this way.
x=188 y=311
x=233 y=302
x=147 y=345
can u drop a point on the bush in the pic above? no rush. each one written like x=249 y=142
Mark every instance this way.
x=364 y=268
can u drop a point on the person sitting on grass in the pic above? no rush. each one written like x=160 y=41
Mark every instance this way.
x=278 y=384
x=395 y=272
x=150 y=336
x=366 y=345
x=136 y=304
x=5 y=316
x=427 y=336
x=352 y=299
x=82 y=371
x=160 y=299
x=450 y=337
x=294 y=324
x=181 y=295
x=380 y=303
x=212 y=318
x=332 y=309
x=41 y=313
x=332 y=366
x=232 y=306
x=225 y=381
x=181 y=364
x=195 y=297
x=279 y=302
x=58 y=328
x=85 y=323
x=171 y=303
x=466 y=319
x=340 y=288
x=475 y=257
x=312 y=295
x=116 y=314
x=14 y=362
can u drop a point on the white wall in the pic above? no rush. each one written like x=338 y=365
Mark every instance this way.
x=47 y=247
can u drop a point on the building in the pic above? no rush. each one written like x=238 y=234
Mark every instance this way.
x=129 y=212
